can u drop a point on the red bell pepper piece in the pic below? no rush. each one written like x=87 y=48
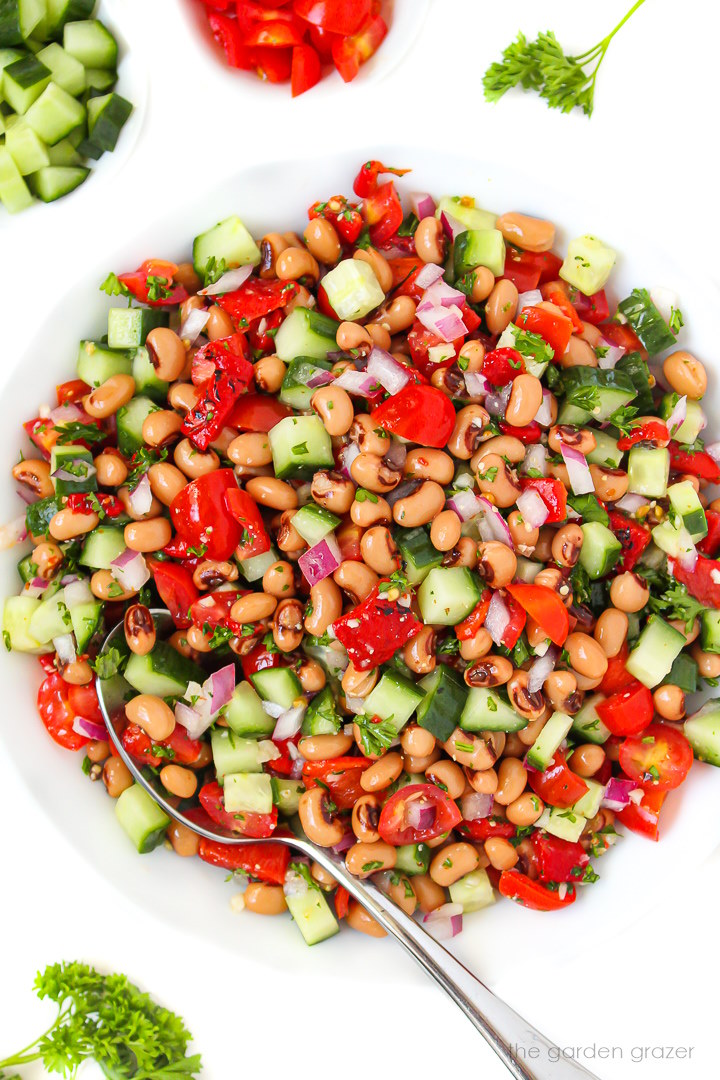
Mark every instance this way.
x=554 y=292
x=201 y=515
x=533 y=894
x=306 y=69
x=617 y=676
x=266 y=862
x=344 y=216
x=484 y=828
x=556 y=330
x=652 y=431
x=700 y=581
x=374 y=630
x=545 y=607
x=558 y=860
x=633 y=537
x=501 y=366
x=528 y=269
x=697 y=463
x=420 y=340
x=381 y=206
x=644 y=817
x=367 y=180
x=558 y=785
x=405 y=270
x=422 y=414
x=469 y=627
x=623 y=335
x=516 y=624
x=256 y=298
x=628 y=711
x=257 y=826
x=139 y=746
x=341 y=777
x=224 y=374
x=257 y=412
x=176 y=588
x=259 y=659
x=710 y=544
x=527 y=435
x=254 y=538
x=593 y=309
x=553 y=494
x=152 y=284
x=342 y=902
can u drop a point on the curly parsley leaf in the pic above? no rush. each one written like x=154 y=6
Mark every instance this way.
x=107 y=664
x=624 y=418
x=375 y=735
x=113 y=286
x=74 y=431
x=677 y=603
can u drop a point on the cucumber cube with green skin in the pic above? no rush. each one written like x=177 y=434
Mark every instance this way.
x=234 y=754
x=90 y=42
x=552 y=735
x=312 y=916
x=86 y=620
x=253 y=569
x=595 y=392
x=479 y=247
x=52 y=619
x=394 y=699
x=648 y=471
x=307 y=334
x=352 y=289
x=693 y=423
x=287 y=795
x=565 y=824
x=418 y=554
x=300 y=446
x=27 y=150
x=464 y=210
x=412 y=859
x=96 y=363
x=102 y=545
x=145 y=376
x=141 y=818
x=647 y=322
x=683 y=673
x=710 y=630
x=473 y=891
x=600 y=550
x=279 y=685
x=247 y=793
x=18 y=19
x=588 y=264
x=486 y=711
x=163 y=672
x=14 y=193
x=313 y=523
x=128 y=327
x=245 y=714
x=106 y=118
x=130 y=420
x=587 y=725
x=294 y=390
x=685 y=502
x=702 y=731
x=657 y=647
x=55 y=114
x=448 y=595
x=228 y=243
x=77 y=461
x=23 y=82
x=589 y=804
x=322 y=716
x=17 y=613
x=440 y=710
x=67 y=72
x=673 y=540
x=606 y=451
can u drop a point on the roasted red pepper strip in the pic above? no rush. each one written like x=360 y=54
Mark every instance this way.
x=254 y=538
x=558 y=785
x=593 y=309
x=701 y=581
x=697 y=463
x=469 y=627
x=556 y=330
x=533 y=894
x=266 y=862
x=201 y=515
x=255 y=298
x=633 y=537
x=501 y=366
x=516 y=624
x=628 y=711
x=82 y=503
x=552 y=493
x=374 y=630
x=558 y=860
x=652 y=431
x=221 y=369
x=544 y=606
x=176 y=588
x=710 y=544
x=381 y=205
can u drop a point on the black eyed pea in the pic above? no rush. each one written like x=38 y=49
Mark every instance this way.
x=471 y=356
x=611 y=631
x=253 y=607
x=466 y=437
x=489 y=671
x=566 y=544
x=496 y=480
x=497 y=563
x=420 y=507
x=123 y=494
x=463 y=554
x=264 y=899
x=166 y=482
x=369 y=437
x=453 y=862
x=398 y=316
x=152 y=714
x=581 y=439
x=380 y=266
x=501 y=306
x=271 y=492
x=318 y=823
x=105 y=587
x=501 y=853
x=148 y=535
x=478 y=645
x=193 y=303
x=351 y=336
x=269 y=374
x=48 y=558
x=447 y=774
x=287 y=627
x=178 y=781
x=335 y=408
x=333 y=491
x=382 y=773
x=311 y=675
x=365 y=859
x=219 y=325
x=111 y=469
x=322 y=241
x=167 y=352
x=355 y=579
x=77 y=672
x=708 y=663
x=183 y=396
x=252 y=448
x=359 y=919
x=445 y=530
x=365 y=818
x=472 y=750
x=106 y=399
x=402 y=892
x=211 y=573
x=415 y=740
x=586 y=656
x=610 y=484
x=371 y=472
x=185 y=275
x=379 y=550
x=525 y=400
x=34 y=475
x=579 y=353
x=430 y=241
x=484 y=781
x=193 y=462
x=669 y=701
x=322 y=747
x=524 y=536
x=585 y=760
x=429 y=894
x=512 y=780
x=419 y=651
x=689 y=635
x=415 y=765
x=287 y=537
x=527 y=233
x=561 y=691
x=628 y=592
x=526 y=810
x=504 y=446
x=116 y=777
x=326 y=606
x=198 y=639
x=185 y=842
x=685 y=374
x=140 y=631
x=295 y=263
x=67 y=524
x=585 y=683
x=271 y=246
x=483 y=283
x=322 y=876
x=428 y=464
x=530 y=705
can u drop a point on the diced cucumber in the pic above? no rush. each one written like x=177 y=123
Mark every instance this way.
x=300 y=446
x=245 y=714
x=163 y=671
x=648 y=471
x=27 y=150
x=287 y=795
x=77 y=461
x=145 y=376
x=312 y=915
x=295 y=391
x=130 y=419
x=588 y=264
x=141 y=818
x=86 y=619
x=647 y=322
x=447 y=595
x=253 y=569
x=637 y=370
x=589 y=805
x=313 y=523
x=479 y=247
x=352 y=289
x=693 y=423
x=683 y=673
x=418 y=554
x=17 y=614
x=227 y=243
x=572 y=415
x=128 y=327
x=306 y=333
x=486 y=711
x=99 y=80
x=653 y=656
x=91 y=43
x=279 y=685
x=596 y=391
x=60 y=12
x=587 y=725
x=234 y=754
x=710 y=631
x=565 y=824
x=675 y=541
x=394 y=699
x=14 y=192
x=600 y=550
x=54 y=181
x=463 y=209
x=51 y=619
x=702 y=731
x=412 y=859
x=527 y=569
x=102 y=545
x=473 y=891
x=332 y=657
x=18 y=19
x=24 y=81
x=445 y=696
x=549 y=740
x=107 y=116
x=322 y=716
x=27 y=569
x=67 y=72
x=96 y=363
x=247 y=793
x=606 y=451
x=55 y=114
x=685 y=502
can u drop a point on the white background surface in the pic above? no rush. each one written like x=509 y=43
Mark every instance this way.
x=648 y=145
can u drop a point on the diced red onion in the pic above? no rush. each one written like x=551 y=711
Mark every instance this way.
x=27 y=496
x=688 y=558
x=383 y=368
x=90 y=729
x=444 y=922
x=267 y=751
x=295 y=884
x=612 y=354
x=396 y=454
x=64 y=645
x=713 y=449
x=423 y=205
x=529 y=299
x=321 y=560
x=356 y=705
x=676 y=419
x=496 y=402
x=408 y=487
x=476 y=384
x=497 y=618
x=321 y=378
x=345 y=844
x=492 y=525
x=357 y=382
x=476 y=806
x=631 y=503
x=543 y=416
x=440 y=294
x=347 y=455
x=130 y=570
x=535 y=459
x=420 y=816
x=13 y=533
x=451 y=225
x=541 y=668
x=64 y=474
x=272 y=709
x=65 y=414
x=221 y=685
x=140 y=498
x=231 y=279
x=579 y=474
x=532 y=508
x=466 y=504
x=447 y=322
x=35 y=588
x=289 y=723
x=428 y=275
x=194 y=325
x=617 y=793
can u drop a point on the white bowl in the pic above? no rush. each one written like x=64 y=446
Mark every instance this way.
x=403 y=17
x=191 y=895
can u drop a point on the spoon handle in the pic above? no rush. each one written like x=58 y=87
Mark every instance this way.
x=525 y=1052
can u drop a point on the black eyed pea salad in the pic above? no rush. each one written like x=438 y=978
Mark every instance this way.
x=432 y=514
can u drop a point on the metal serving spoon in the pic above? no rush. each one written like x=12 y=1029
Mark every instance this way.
x=515 y=1041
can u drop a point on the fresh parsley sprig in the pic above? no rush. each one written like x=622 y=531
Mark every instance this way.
x=375 y=735
x=566 y=82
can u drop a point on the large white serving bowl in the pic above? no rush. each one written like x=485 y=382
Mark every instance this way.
x=193 y=897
